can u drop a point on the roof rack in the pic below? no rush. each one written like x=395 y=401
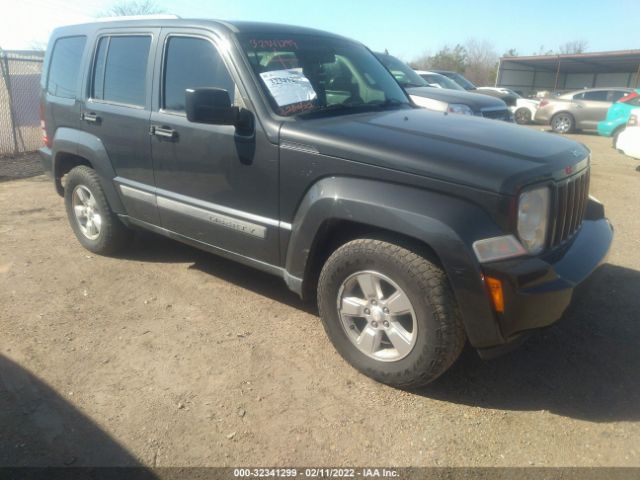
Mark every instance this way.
x=155 y=16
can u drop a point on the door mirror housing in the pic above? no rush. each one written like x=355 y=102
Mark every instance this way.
x=210 y=105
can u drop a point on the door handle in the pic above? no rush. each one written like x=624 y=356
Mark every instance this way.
x=90 y=117
x=164 y=132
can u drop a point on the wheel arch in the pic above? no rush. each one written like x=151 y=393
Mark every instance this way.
x=72 y=148
x=338 y=209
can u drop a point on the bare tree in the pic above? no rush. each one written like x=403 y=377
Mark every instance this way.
x=512 y=52
x=127 y=8
x=482 y=62
x=576 y=46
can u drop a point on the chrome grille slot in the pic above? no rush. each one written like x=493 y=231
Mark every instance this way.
x=570 y=200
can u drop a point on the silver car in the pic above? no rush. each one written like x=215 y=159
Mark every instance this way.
x=577 y=110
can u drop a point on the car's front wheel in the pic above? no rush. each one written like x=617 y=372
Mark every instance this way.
x=390 y=312
x=523 y=116
x=97 y=228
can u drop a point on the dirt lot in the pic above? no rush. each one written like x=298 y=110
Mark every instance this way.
x=170 y=356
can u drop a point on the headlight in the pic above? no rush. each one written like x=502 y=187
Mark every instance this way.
x=459 y=108
x=533 y=218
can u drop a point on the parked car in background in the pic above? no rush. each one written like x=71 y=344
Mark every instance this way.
x=468 y=85
x=579 y=109
x=439 y=81
x=618 y=115
x=628 y=140
x=523 y=110
x=443 y=99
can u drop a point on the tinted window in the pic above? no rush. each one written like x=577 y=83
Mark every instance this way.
x=634 y=101
x=615 y=95
x=120 y=69
x=65 y=66
x=192 y=63
x=596 y=96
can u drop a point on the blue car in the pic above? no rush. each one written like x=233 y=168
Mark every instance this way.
x=618 y=115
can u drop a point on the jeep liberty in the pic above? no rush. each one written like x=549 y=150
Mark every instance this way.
x=295 y=151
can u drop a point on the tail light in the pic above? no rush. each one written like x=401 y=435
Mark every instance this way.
x=628 y=97
x=43 y=127
x=633 y=120
x=543 y=103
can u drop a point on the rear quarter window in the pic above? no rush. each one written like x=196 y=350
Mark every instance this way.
x=120 y=69
x=64 y=68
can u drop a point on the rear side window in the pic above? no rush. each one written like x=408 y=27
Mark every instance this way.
x=65 y=66
x=120 y=69
x=596 y=96
x=192 y=63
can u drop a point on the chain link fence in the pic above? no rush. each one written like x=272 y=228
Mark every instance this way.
x=19 y=101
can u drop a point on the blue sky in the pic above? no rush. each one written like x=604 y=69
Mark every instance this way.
x=407 y=28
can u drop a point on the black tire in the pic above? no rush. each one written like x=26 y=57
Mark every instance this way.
x=522 y=116
x=616 y=134
x=113 y=234
x=556 y=122
x=440 y=332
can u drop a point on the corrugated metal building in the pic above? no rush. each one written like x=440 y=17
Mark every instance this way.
x=529 y=75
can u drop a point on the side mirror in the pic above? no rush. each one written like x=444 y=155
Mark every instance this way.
x=211 y=106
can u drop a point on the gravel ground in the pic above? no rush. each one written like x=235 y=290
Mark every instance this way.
x=168 y=356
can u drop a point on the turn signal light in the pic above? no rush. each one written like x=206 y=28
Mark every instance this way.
x=495 y=291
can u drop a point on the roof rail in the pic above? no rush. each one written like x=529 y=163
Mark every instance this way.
x=155 y=16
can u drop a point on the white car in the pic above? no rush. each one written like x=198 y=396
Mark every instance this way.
x=628 y=141
x=524 y=109
x=438 y=81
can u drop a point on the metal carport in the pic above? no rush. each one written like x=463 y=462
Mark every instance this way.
x=568 y=72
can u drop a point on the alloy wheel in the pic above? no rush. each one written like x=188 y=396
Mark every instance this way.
x=86 y=212
x=377 y=316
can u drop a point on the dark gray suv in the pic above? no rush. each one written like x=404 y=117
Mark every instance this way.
x=297 y=152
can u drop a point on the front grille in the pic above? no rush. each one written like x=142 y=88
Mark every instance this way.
x=571 y=196
x=497 y=114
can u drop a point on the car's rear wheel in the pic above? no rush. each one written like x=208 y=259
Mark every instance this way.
x=390 y=312
x=563 y=123
x=523 y=116
x=96 y=227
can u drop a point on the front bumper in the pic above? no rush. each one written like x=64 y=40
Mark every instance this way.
x=537 y=290
x=542 y=116
x=607 y=127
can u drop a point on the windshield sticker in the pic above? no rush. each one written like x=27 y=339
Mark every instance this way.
x=288 y=87
x=270 y=43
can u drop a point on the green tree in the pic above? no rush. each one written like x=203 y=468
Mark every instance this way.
x=450 y=58
x=512 y=52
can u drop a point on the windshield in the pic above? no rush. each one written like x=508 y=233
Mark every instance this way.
x=403 y=73
x=444 y=82
x=460 y=80
x=304 y=74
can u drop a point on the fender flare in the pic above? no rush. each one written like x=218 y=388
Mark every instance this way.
x=448 y=225
x=91 y=148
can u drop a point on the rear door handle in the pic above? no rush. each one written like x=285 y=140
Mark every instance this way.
x=90 y=117
x=164 y=132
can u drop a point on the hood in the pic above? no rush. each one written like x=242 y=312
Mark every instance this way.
x=521 y=102
x=485 y=154
x=475 y=101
